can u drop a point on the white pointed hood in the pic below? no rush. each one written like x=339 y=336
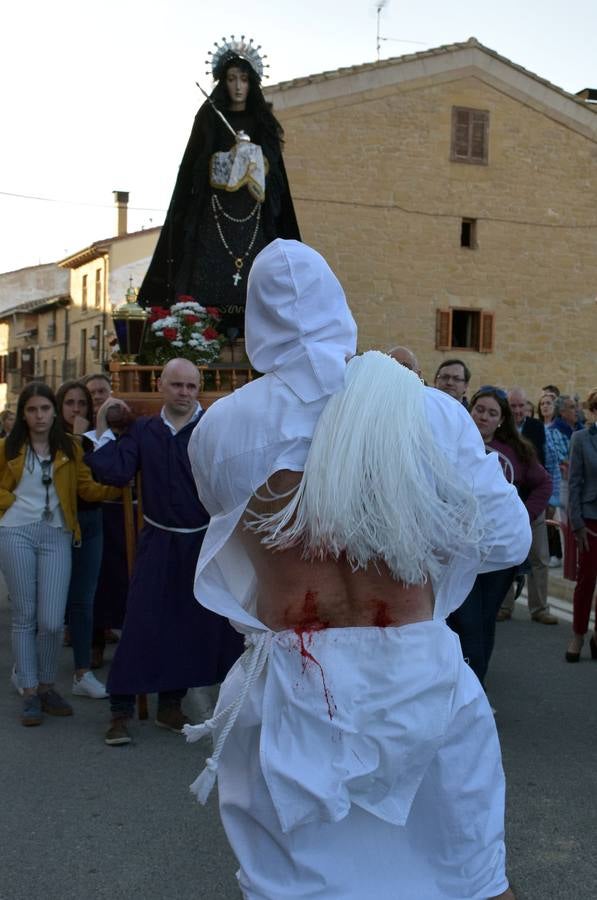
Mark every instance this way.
x=298 y=324
x=299 y=332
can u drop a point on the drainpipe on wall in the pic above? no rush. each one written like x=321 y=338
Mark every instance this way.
x=104 y=312
x=66 y=339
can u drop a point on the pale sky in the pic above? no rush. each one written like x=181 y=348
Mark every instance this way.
x=101 y=97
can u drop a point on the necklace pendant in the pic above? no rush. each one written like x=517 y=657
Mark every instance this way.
x=239 y=263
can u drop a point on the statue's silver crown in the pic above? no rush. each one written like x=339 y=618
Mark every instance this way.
x=234 y=48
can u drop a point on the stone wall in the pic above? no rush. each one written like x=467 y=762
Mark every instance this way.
x=376 y=193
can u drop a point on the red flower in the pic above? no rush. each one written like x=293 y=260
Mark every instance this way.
x=170 y=334
x=190 y=319
x=158 y=312
x=210 y=334
x=185 y=298
x=213 y=311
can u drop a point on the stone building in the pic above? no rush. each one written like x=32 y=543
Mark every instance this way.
x=55 y=319
x=454 y=194
x=26 y=297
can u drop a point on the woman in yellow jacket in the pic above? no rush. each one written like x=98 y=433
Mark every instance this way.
x=41 y=473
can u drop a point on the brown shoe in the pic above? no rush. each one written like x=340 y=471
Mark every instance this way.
x=172 y=718
x=117 y=734
x=53 y=704
x=503 y=615
x=544 y=618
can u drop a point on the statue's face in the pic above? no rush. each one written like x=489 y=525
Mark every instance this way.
x=237 y=83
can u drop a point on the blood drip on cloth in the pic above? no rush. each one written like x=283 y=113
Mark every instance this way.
x=305 y=628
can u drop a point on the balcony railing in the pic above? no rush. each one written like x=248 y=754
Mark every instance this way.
x=138 y=385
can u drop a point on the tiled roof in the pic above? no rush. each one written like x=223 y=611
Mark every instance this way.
x=472 y=42
x=98 y=248
x=35 y=305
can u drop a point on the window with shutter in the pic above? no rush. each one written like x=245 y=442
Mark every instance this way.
x=470 y=135
x=98 y=287
x=468 y=233
x=28 y=362
x=464 y=329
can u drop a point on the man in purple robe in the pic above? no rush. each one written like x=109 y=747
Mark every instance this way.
x=169 y=642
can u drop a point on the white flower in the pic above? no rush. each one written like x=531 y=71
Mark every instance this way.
x=190 y=307
x=160 y=324
x=177 y=343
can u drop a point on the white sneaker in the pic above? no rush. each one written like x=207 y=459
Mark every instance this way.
x=554 y=562
x=14 y=680
x=88 y=686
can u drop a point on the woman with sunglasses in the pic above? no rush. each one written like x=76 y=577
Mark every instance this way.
x=41 y=473
x=75 y=411
x=474 y=621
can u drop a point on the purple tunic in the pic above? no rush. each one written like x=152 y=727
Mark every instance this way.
x=169 y=640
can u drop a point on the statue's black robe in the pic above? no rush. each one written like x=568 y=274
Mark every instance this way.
x=190 y=258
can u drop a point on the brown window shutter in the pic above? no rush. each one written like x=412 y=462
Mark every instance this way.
x=28 y=361
x=479 y=121
x=487 y=332
x=461 y=123
x=443 y=329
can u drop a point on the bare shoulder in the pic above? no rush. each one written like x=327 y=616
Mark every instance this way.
x=275 y=493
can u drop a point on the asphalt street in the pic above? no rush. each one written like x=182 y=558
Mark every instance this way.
x=84 y=821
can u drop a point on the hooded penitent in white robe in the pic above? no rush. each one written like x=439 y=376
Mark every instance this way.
x=356 y=762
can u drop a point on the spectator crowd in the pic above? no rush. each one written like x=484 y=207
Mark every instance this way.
x=67 y=461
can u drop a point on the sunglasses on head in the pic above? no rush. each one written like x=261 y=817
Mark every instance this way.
x=491 y=389
x=46 y=468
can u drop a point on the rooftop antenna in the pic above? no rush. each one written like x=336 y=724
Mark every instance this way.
x=379 y=5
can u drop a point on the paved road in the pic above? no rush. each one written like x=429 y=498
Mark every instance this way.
x=83 y=821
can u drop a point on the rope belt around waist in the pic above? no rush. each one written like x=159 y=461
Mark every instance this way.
x=253 y=662
x=170 y=528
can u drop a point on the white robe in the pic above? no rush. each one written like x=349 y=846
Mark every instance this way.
x=364 y=762
x=401 y=793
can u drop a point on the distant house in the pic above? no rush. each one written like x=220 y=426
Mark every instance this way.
x=454 y=194
x=55 y=319
x=25 y=296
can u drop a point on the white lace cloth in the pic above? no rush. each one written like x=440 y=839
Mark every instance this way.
x=243 y=164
